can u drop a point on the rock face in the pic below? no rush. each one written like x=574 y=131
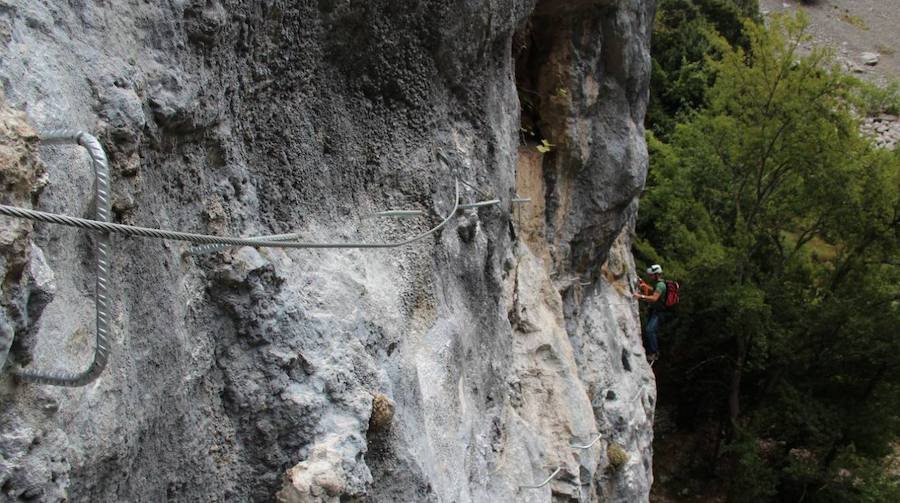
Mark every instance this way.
x=460 y=368
x=27 y=282
x=869 y=58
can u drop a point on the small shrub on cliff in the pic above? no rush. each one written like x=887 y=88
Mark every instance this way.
x=382 y=413
x=617 y=456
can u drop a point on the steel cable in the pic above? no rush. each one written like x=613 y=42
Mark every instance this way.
x=212 y=248
x=203 y=249
x=148 y=232
x=588 y=446
x=542 y=484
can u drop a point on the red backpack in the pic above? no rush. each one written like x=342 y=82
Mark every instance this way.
x=671 y=293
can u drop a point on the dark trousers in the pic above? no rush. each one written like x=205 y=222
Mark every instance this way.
x=653 y=322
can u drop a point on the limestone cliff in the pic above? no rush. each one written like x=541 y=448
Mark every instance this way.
x=462 y=368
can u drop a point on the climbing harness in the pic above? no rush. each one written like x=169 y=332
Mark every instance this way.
x=205 y=243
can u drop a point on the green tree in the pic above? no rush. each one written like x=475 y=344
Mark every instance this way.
x=682 y=35
x=784 y=224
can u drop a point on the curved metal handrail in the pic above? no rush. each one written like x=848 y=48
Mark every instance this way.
x=102 y=249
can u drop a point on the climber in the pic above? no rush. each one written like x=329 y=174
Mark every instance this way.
x=657 y=300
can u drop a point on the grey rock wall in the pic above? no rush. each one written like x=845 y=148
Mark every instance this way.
x=459 y=368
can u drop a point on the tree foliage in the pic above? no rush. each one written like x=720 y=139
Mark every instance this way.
x=783 y=224
x=682 y=41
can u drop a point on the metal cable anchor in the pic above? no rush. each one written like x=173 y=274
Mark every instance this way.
x=102 y=214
